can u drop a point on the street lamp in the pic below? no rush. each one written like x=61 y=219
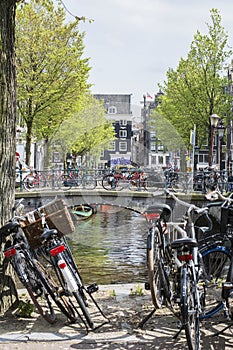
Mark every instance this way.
x=221 y=129
x=214 y=119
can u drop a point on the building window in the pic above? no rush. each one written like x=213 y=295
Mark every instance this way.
x=112 y=110
x=112 y=146
x=160 y=159
x=203 y=158
x=153 y=147
x=123 y=146
x=160 y=148
x=123 y=122
x=123 y=133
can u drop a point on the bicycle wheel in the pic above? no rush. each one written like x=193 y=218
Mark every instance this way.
x=108 y=182
x=156 y=274
x=77 y=290
x=79 y=298
x=189 y=308
x=51 y=288
x=30 y=183
x=216 y=262
x=79 y=295
x=88 y=182
x=178 y=186
x=63 y=182
x=29 y=278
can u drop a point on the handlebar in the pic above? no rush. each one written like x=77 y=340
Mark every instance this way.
x=191 y=207
x=211 y=196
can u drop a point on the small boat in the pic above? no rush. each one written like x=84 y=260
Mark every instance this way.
x=82 y=211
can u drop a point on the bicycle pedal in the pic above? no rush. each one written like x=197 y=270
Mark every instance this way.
x=147 y=286
x=92 y=288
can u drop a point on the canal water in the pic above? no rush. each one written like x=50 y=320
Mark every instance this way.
x=110 y=247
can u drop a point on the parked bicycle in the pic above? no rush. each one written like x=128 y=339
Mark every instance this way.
x=41 y=287
x=217 y=254
x=210 y=179
x=52 y=250
x=174 y=266
x=128 y=179
x=35 y=180
x=76 y=178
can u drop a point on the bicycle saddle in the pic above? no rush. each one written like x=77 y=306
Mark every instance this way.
x=186 y=241
x=48 y=233
x=9 y=228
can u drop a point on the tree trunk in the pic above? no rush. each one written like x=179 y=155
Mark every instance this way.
x=7 y=146
x=28 y=143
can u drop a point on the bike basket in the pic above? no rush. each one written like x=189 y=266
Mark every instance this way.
x=57 y=216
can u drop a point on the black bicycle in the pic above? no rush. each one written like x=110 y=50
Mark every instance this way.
x=40 y=286
x=217 y=255
x=175 y=266
x=51 y=249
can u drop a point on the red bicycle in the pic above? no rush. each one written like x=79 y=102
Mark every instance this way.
x=131 y=179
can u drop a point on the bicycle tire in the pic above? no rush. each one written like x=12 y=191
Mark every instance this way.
x=64 y=304
x=135 y=185
x=63 y=183
x=79 y=298
x=178 y=186
x=159 y=284
x=216 y=261
x=88 y=182
x=77 y=294
x=29 y=278
x=107 y=182
x=122 y=184
x=29 y=183
x=188 y=308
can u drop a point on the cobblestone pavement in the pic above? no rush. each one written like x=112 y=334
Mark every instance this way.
x=125 y=308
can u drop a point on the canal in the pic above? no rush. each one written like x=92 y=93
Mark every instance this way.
x=110 y=247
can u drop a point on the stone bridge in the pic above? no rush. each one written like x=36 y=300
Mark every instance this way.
x=133 y=200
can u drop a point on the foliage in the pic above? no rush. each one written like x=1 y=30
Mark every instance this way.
x=197 y=88
x=138 y=291
x=52 y=75
x=85 y=131
x=25 y=308
x=112 y=293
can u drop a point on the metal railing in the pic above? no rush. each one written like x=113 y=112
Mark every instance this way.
x=201 y=181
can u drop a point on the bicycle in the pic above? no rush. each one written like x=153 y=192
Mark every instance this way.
x=34 y=180
x=52 y=250
x=39 y=285
x=217 y=255
x=130 y=179
x=75 y=178
x=174 y=267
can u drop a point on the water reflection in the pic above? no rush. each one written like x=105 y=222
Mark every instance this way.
x=111 y=246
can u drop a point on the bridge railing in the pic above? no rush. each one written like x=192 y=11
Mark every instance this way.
x=53 y=179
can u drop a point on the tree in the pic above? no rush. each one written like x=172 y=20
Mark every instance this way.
x=8 y=292
x=195 y=90
x=52 y=75
x=90 y=130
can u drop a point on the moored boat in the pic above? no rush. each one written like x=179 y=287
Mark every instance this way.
x=82 y=211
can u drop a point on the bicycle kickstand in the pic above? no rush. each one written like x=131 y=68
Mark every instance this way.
x=223 y=330
x=178 y=333
x=141 y=324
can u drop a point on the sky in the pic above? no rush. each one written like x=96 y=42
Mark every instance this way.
x=132 y=43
